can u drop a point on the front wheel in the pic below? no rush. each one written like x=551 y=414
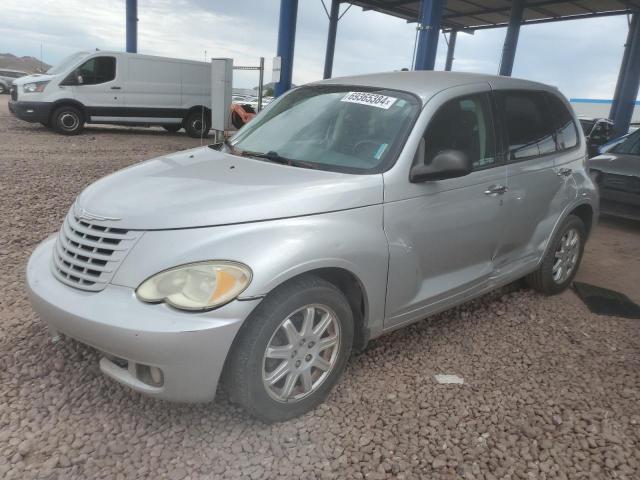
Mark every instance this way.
x=562 y=259
x=291 y=350
x=197 y=124
x=67 y=120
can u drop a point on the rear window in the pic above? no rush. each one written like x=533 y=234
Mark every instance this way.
x=566 y=129
x=529 y=129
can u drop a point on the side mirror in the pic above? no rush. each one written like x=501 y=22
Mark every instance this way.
x=446 y=164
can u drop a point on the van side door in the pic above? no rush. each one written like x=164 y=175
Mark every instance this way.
x=97 y=84
x=443 y=234
x=535 y=197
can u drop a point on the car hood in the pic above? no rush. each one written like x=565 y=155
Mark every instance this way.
x=619 y=164
x=205 y=187
x=36 y=77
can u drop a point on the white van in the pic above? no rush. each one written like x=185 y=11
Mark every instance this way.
x=117 y=88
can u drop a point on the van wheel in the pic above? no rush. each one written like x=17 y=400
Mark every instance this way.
x=172 y=128
x=291 y=350
x=562 y=260
x=197 y=124
x=67 y=120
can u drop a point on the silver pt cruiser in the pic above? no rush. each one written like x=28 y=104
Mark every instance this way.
x=348 y=208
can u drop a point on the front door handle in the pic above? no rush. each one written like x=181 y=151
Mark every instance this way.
x=496 y=190
x=116 y=88
x=564 y=172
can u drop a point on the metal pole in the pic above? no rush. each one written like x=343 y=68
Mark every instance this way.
x=623 y=67
x=428 y=33
x=132 y=26
x=630 y=84
x=331 y=38
x=511 y=39
x=451 y=50
x=286 y=44
x=260 y=83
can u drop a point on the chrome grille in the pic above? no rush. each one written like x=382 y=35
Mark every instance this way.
x=87 y=254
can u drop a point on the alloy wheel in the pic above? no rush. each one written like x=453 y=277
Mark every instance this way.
x=301 y=353
x=566 y=256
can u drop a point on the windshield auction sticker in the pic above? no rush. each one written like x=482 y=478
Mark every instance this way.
x=371 y=99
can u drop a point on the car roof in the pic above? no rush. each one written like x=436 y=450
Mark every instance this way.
x=425 y=84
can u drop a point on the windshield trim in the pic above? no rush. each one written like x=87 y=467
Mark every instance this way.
x=388 y=162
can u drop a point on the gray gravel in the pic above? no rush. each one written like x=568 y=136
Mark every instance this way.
x=551 y=391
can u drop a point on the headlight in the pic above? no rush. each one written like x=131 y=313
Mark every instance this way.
x=34 y=87
x=196 y=286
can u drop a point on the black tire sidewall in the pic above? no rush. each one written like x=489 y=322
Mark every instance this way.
x=550 y=286
x=56 y=120
x=258 y=330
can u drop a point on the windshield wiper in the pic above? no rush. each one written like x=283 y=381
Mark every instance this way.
x=277 y=158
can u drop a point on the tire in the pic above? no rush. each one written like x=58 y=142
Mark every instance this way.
x=172 y=128
x=555 y=274
x=67 y=120
x=248 y=369
x=196 y=124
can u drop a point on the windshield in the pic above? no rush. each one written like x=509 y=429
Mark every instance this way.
x=67 y=62
x=587 y=125
x=629 y=146
x=340 y=128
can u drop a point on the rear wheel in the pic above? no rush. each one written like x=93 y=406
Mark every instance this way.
x=562 y=260
x=197 y=124
x=172 y=128
x=67 y=120
x=291 y=350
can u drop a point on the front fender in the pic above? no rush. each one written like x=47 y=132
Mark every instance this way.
x=276 y=251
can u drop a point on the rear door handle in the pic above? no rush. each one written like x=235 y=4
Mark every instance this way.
x=564 y=172
x=116 y=88
x=496 y=190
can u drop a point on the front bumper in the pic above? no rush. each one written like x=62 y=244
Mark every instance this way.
x=189 y=348
x=33 y=112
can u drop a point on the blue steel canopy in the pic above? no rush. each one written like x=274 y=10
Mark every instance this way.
x=466 y=15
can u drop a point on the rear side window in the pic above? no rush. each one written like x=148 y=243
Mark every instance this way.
x=528 y=127
x=97 y=70
x=463 y=124
x=566 y=130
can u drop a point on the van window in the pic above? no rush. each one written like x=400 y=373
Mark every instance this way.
x=566 y=129
x=463 y=124
x=528 y=128
x=98 y=70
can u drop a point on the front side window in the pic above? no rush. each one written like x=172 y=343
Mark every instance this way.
x=463 y=124
x=529 y=129
x=332 y=127
x=566 y=130
x=97 y=70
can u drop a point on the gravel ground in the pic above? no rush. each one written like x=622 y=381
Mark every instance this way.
x=551 y=391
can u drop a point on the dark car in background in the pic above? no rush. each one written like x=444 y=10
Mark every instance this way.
x=7 y=77
x=597 y=132
x=617 y=175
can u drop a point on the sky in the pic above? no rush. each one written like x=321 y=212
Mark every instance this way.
x=581 y=58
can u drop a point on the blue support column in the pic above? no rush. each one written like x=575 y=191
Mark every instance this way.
x=629 y=88
x=623 y=66
x=451 y=50
x=286 y=44
x=331 y=38
x=511 y=39
x=132 y=26
x=429 y=31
